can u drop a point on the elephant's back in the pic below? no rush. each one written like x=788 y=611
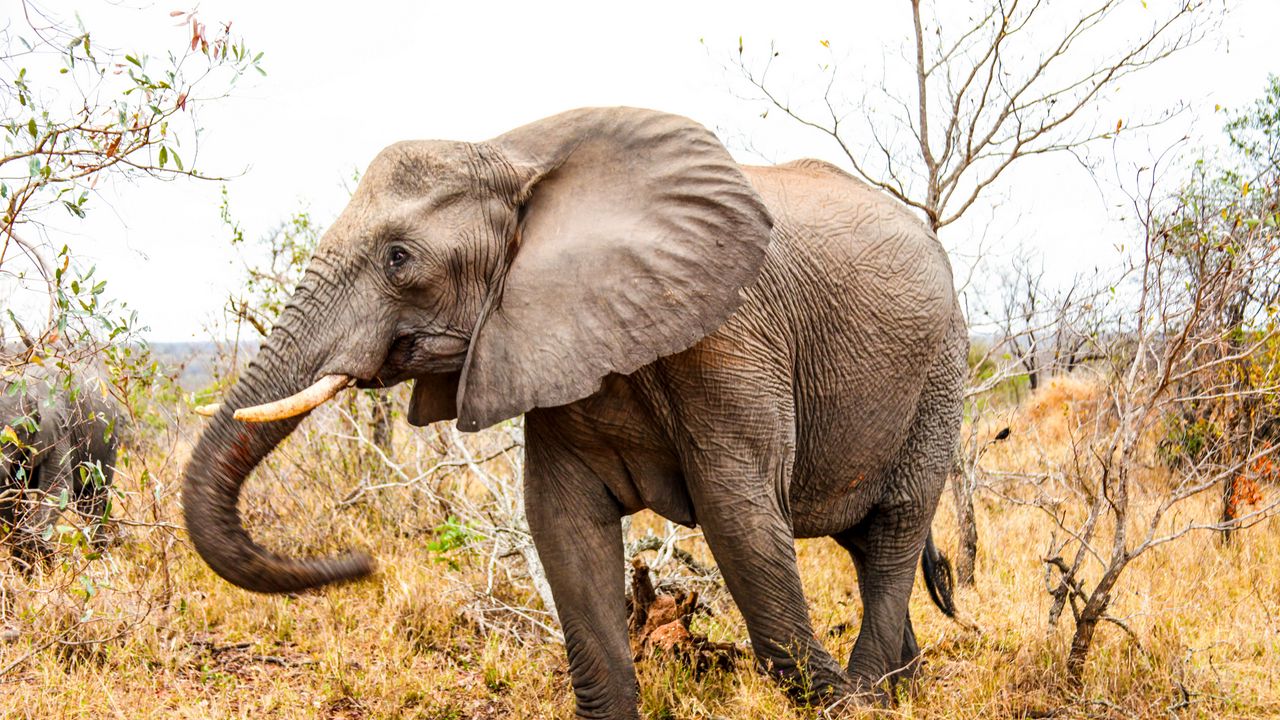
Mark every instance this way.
x=852 y=260
x=866 y=291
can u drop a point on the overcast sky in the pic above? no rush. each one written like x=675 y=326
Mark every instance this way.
x=345 y=82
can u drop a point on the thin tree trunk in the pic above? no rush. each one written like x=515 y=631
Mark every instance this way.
x=1228 y=507
x=1240 y=430
x=966 y=524
x=381 y=433
x=1090 y=615
x=1081 y=641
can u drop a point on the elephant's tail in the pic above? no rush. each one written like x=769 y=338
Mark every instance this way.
x=937 y=577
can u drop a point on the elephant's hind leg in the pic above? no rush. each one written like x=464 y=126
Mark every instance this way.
x=37 y=510
x=93 y=477
x=886 y=648
x=886 y=545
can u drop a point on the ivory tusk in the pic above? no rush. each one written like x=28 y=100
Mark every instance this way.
x=207 y=410
x=320 y=392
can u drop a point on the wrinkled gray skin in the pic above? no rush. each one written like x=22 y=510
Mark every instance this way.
x=65 y=436
x=767 y=352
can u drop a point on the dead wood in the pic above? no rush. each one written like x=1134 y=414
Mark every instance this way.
x=659 y=624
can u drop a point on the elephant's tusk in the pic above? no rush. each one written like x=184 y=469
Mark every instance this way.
x=320 y=392
x=207 y=410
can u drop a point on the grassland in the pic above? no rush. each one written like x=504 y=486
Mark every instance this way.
x=147 y=631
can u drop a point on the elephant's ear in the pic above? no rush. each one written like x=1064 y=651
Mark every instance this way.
x=636 y=233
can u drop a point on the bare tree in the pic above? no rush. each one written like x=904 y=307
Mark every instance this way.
x=1017 y=79
x=1168 y=353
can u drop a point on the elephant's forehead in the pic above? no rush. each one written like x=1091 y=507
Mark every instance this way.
x=406 y=177
x=418 y=169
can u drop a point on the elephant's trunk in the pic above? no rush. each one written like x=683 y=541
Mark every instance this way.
x=229 y=450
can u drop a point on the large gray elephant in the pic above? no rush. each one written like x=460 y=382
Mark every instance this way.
x=769 y=353
x=62 y=450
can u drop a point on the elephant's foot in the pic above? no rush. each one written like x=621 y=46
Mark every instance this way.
x=858 y=697
x=877 y=692
x=622 y=712
x=816 y=684
x=881 y=691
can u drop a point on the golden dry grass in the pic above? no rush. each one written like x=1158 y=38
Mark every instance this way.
x=164 y=638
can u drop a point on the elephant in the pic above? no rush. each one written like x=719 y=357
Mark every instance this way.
x=65 y=437
x=767 y=353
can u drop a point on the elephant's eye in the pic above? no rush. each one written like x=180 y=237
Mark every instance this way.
x=396 y=257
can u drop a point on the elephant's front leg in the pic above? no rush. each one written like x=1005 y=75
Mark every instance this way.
x=576 y=527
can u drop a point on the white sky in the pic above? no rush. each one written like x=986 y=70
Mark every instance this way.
x=345 y=82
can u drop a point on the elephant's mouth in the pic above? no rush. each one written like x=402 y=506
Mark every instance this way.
x=414 y=354
x=411 y=356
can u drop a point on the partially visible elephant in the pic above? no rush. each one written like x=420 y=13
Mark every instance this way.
x=65 y=439
x=766 y=352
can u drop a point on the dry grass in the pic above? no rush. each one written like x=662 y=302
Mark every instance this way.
x=161 y=637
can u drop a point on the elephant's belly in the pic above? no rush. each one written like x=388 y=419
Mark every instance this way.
x=654 y=482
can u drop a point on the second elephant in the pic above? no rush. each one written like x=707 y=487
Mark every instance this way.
x=60 y=454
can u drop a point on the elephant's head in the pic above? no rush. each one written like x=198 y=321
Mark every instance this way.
x=499 y=277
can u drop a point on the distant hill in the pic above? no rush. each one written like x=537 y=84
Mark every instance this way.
x=193 y=362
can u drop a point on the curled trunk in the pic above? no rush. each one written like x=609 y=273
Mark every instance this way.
x=229 y=450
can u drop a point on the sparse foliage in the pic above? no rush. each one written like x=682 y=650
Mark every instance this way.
x=79 y=112
x=1012 y=80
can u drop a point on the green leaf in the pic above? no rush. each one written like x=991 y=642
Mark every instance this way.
x=9 y=436
x=31 y=128
x=73 y=209
x=164 y=155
